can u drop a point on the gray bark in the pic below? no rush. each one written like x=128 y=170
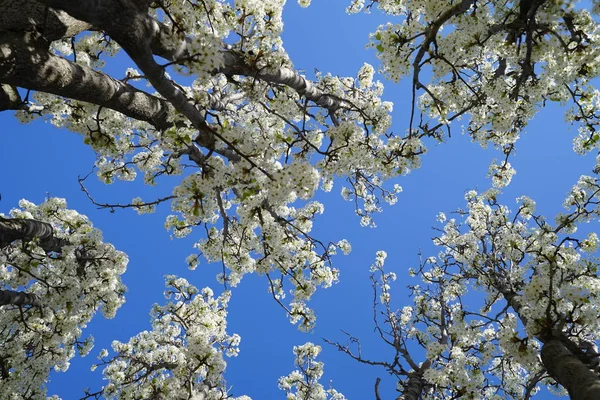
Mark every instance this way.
x=135 y=31
x=10 y=98
x=25 y=62
x=27 y=230
x=19 y=299
x=413 y=387
x=570 y=371
x=31 y=15
x=235 y=65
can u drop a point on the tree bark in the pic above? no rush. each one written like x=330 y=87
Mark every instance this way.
x=25 y=62
x=10 y=98
x=570 y=371
x=31 y=15
x=235 y=65
x=19 y=299
x=135 y=30
x=27 y=230
x=413 y=387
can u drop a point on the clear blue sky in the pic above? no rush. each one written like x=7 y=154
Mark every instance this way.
x=38 y=160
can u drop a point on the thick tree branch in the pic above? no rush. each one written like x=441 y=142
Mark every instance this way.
x=90 y=11
x=564 y=360
x=570 y=371
x=29 y=229
x=137 y=32
x=28 y=15
x=132 y=27
x=24 y=62
x=156 y=76
x=234 y=64
x=10 y=98
x=413 y=387
x=19 y=299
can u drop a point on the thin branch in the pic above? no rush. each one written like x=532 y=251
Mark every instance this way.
x=112 y=207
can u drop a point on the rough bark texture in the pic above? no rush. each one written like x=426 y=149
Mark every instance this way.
x=9 y=98
x=27 y=230
x=570 y=371
x=413 y=388
x=25 y=62
x=235 y=65
x=135 y=31
x=19 y=299
x=22 y=15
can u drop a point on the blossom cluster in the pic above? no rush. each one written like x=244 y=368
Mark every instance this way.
x=303 y=383
x=72 y=285
x=182 y=356
x=544 y=274
x=494 y=64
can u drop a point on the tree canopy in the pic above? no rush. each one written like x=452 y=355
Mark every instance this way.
x=205 y=91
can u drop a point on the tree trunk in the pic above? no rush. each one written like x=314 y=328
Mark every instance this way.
x=27 y=230
x=413 y=387
x=570 y=371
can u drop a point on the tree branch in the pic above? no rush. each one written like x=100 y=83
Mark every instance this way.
x=29 y=229
x=135 y=31
x=19 y=299
x=142 y=30
x=413 y=387
x=234 y=64
x=85 y=10
x=29 y=15
x=141 y=36
x=570 y=371
x=25 y=62
x=10 y=98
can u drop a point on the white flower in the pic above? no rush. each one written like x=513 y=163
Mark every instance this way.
x=345 y=246
x=441 y=217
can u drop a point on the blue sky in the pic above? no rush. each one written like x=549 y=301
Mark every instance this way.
x=38 y=160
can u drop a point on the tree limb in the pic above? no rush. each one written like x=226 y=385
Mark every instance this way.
x=10 y=98
x=19 y=299
x=234 y=64
x=29 y=15
x=24 y=62
x=29 y=229
x=570 y=371
x=413 y=387
x=135 y=29
x=137 y=33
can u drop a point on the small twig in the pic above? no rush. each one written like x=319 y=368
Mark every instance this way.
x=118 y=205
